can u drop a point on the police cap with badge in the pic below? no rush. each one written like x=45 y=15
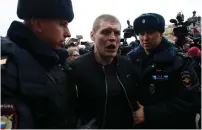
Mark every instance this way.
x=51 y=9
x=149 y=22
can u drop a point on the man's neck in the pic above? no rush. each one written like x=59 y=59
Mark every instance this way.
x=102 y=60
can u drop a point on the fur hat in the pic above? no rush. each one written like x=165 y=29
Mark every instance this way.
x=56 y=9
x=149 y=22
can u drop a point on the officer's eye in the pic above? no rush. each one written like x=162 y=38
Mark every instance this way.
x=142 y=33
x=63 y=23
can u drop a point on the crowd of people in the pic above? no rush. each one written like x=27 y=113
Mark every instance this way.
x=46 y=84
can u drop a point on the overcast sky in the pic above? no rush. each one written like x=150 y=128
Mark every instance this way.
x=87 y=10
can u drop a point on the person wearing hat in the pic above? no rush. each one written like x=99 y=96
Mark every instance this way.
x=195 y=54
x=37 y=89
x=169 y=88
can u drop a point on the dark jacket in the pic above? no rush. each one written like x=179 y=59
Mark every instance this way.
x=197 y=67
x=36 y=81
x=169 y=87
x=94 y=96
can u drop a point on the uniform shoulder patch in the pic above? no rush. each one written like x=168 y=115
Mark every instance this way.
x=186 y=78
x=8 y=116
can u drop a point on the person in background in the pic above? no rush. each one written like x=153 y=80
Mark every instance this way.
x=195 y=54
x=73 y=53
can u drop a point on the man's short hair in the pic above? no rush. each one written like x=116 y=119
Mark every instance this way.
x=104 y=17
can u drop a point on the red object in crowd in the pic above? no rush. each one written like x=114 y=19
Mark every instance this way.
x=194 y=52
x=196 y=32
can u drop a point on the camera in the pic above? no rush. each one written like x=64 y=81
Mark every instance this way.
x=181 y=27
x=180 y=30
x=128 y=32
x=184 y=29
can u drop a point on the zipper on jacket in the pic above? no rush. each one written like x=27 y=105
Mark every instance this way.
x=106 y=92
x=125 y=94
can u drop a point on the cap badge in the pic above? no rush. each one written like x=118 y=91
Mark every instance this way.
x=143 y=21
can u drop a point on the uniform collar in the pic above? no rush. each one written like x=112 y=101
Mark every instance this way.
x=165 y=52
x=23 y=36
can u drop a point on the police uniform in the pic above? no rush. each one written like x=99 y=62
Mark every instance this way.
x=37 y=90
x=169 y=87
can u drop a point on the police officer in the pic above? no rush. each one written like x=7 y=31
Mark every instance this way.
x=169 y=87
x=36 y=85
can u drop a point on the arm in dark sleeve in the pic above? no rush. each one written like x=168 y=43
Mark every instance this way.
x=15 y=113
x=75 y=81
x=135 y=82
x=72 y=91
x=83 y=121
x=184 y=102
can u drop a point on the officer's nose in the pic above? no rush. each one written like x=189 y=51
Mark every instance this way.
x=145 y=37
x=67 y=33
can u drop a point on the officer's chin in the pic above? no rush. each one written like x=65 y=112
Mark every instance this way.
x=148 y=47
x=148 y=50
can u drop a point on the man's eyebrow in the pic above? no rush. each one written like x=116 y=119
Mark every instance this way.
x=109 y=28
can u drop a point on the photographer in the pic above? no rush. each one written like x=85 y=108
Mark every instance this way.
x=185 y=37
x=128 y=33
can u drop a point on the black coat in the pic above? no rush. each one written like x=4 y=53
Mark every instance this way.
x=93 y=93
x=169 y=87
x=36 y=82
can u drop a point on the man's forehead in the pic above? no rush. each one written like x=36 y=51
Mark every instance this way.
x=110 y=24
x=52 y=20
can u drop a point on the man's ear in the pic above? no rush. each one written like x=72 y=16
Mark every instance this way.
x=92 y=36
x=36 y=23
x=161 y=34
